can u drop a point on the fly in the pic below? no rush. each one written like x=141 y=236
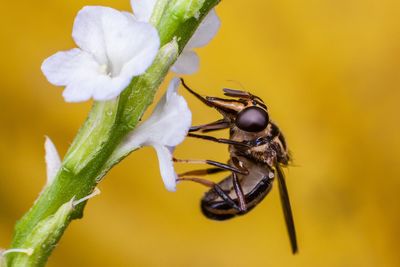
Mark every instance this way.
x=258 y=152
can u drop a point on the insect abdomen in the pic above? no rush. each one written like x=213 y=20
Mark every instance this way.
x=220 y=210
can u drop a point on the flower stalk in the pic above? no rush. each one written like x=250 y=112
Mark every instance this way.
x=107 y=124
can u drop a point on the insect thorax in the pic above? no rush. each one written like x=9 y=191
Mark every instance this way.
x=270 y=149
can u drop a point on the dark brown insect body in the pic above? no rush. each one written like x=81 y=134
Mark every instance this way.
x=257 y=151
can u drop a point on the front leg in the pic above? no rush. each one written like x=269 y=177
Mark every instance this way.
x=220 y=140
x=236 y=169
x=213 y=126
x=239 y=193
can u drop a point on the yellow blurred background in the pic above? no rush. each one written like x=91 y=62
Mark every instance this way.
x=329 y=72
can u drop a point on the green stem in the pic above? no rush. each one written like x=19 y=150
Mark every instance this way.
x=107 y=124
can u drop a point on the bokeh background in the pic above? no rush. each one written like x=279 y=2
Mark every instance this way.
x=330 y=74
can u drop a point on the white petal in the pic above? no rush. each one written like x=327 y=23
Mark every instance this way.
x=169 y=123
x=143 y=9
x=167 y=126
x=79 y=91
x=187 y=63
x=53 y=161
x=100 y=88
x=88 y=32
x=109 y=88
x=65 y=67
x=206 y=31
x=116 y=39
x=75 y=69
x=137 y=49
x=166 y=167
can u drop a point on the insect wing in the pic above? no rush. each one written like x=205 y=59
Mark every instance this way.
x=244 y=94
x=236 y=93
x=287 y=210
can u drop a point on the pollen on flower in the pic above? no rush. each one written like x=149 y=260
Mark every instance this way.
x=103 y=69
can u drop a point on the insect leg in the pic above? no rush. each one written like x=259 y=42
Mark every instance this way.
x=213 y=126
x=219 y=140
x=203 y=172
x=220 y=192
x=239 y=192
x=197 y=180
x=241 y=170
x=287 y=210
x=236 y=184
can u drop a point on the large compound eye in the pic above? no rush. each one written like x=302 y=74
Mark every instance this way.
x=252 y=119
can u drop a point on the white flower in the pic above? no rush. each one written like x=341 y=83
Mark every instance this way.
x=188 y=61
x=53 y=161
x=113 y=48
x=167 y=127
x=143 y=9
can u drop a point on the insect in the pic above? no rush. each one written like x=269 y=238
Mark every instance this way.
x=258 y=152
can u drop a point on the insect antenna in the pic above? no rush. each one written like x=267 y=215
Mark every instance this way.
x=238 y=83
